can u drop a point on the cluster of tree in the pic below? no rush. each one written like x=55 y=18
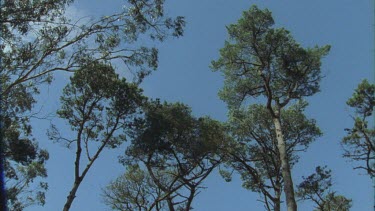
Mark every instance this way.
x=266 y=63
x=171 y=152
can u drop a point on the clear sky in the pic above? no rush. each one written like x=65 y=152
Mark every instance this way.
x=184 y=75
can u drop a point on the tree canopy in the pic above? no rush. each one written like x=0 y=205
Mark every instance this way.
x=259 y=60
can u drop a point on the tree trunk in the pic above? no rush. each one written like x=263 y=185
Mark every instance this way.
x=285 y=168
x=72 y=195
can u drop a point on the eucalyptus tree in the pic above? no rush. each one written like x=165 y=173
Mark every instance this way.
x=317 y=188
x=253 y=152
x=268 y=64
x=100 y=108
x=41 y=37
x=177 y=151
x=359 y=144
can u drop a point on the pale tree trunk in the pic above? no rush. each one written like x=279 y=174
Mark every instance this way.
x=285 y=168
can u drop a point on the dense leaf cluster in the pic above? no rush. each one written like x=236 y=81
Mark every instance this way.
x=259 y=60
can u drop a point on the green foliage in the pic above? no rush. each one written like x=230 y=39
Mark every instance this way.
x=363 y=99
x=19 y=15
x=317 y=188
x=21 y=151
x=359 y=142
x=36 y=36
x=25 y=164
x=178 y=150
x=98 y=97
x=317 y=183
x=336 y=203
x=97 y=104
x=168 y=127
x=259 y=60
x=254 y=126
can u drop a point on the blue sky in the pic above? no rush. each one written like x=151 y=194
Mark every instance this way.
x=184 y=75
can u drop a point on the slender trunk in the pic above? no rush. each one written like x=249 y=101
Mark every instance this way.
x=78 y=179
x=285 y=168
x=72 y=194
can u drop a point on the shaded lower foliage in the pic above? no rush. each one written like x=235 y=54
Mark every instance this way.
x=176 y=152
x=24 y=161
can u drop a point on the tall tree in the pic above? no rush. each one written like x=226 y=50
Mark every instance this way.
x=264 y=62
x=38 y=38
x=25 y=165
x=177 y=150
x=99 y=108
x=317 y=188
x=254 y=154
x=359 y=144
